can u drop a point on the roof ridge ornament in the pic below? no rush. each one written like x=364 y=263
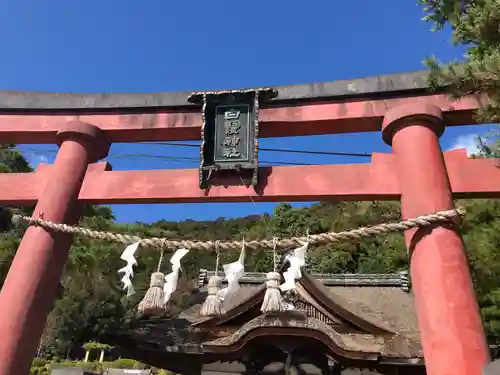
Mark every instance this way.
x=386 y=280
x=229 y=135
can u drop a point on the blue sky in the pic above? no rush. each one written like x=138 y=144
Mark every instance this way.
x=141 y=46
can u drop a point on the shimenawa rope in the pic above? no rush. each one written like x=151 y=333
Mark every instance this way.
x=313 y=239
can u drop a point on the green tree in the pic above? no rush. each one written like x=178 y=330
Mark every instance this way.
x=12 y=161
x=475 y=24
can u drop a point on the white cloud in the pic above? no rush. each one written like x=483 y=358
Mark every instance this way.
x=469 y=142
x=36 y=159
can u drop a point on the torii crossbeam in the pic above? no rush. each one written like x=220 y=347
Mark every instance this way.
x=417 y=173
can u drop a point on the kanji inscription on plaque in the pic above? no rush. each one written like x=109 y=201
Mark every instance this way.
x=232 y=133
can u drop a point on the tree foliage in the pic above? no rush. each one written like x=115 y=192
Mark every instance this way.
x=12 y=161
x=476 y=25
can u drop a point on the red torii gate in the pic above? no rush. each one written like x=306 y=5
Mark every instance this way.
x=416 y=172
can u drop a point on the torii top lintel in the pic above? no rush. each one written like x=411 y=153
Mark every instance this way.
x=345 y=106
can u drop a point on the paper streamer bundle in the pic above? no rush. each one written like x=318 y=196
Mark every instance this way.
x=171 y=279
x=296 y=260
x=128 y=270
x=234 y=272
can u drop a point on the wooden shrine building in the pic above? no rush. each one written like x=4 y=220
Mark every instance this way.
x=349 y=325
x=335 y=324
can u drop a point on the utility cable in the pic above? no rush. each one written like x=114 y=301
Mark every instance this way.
x=285 y=150
x=179 y=159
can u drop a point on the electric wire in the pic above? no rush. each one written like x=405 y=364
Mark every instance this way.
x=196 y=159
x=179 y=159
x=284 y=150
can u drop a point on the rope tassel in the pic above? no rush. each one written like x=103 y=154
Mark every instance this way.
x=154 y=301
x=273 y=303
x=214 y=304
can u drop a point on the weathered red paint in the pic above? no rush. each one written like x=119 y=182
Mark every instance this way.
x=450 y=324
x=372 y=181
x=30 y=288
x=310 y=119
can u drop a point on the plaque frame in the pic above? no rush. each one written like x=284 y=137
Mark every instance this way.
x=215 y=165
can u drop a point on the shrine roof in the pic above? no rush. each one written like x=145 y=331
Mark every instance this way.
x=387 y=307
x=381 y=86
x=381 y=300
x=362 y=317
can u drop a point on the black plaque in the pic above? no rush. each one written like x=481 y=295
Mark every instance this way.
x=229 y=134
x=233 y=132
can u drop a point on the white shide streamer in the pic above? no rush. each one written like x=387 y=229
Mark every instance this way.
x=296 y=260
x=128 y=270
x=234 y=272
x=172 y=278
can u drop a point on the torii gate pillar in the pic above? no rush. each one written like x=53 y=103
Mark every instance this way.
x=30 y=288
x=450 y=325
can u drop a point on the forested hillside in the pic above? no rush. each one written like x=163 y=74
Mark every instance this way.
x=93 y=302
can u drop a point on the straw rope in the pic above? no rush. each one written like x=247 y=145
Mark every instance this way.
x=313 y=239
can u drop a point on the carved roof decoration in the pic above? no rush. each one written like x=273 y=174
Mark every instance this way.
x=350 y=345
